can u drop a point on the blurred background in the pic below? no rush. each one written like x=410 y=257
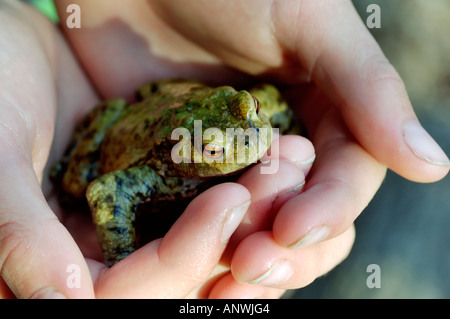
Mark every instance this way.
x=406 y=228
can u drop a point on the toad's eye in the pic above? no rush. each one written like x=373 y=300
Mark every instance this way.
x=257 y=105
x=212 y=151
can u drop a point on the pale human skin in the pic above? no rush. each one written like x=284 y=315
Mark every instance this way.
x=350 y=98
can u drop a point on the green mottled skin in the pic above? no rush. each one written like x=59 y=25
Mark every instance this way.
x=120 y=155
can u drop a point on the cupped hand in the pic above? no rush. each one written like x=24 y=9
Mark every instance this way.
x=36 y=71
x=353 y=104
x=348 y=96
x=43 y=249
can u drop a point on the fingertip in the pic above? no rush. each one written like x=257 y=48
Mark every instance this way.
x=44 y=265
x=430 y=161
x=409 y=150
x=38 y=255
x=299 y=150
x=294 y=148
x=48 y=293
x=186 y=255
x=214 y=206
x=251 y=264
x=372 y=99
x=217 y=212
x=228 y=288
x=308 y=218
x=269 y=192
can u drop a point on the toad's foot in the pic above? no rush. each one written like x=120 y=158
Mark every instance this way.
x=113 y=198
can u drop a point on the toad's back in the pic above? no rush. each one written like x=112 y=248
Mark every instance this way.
x=120 y=155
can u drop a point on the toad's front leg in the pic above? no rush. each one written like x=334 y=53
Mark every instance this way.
x=112 y=199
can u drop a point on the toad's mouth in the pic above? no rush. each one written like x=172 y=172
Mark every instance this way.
x=236 y=145
x=252 y=125
x=221 y=153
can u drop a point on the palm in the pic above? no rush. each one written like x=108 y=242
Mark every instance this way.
x=139 y=60
x=208 y=58
x=122 y=45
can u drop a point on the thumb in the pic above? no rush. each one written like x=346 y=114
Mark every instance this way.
x=38 y=257
x=349 y=67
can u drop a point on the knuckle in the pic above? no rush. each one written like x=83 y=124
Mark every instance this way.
x=345 y=197
x=380 y=72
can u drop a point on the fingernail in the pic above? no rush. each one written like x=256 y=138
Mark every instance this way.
x=286 y=195
x=297 y=188
x=48 y=293
x=277 y=274
x=422 y=145
x=232 y=221
x=306 y=163
x=314 y=236
x=292 y=191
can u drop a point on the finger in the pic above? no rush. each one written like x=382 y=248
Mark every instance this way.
x=131 y=36
x=228 y=288
x=344 y=180
x=175 y=265
x=272 y=183
x=280 y=267
x=348 y=65
x=269 y=192
x=303 y=157
x=38 y=257
x=296 y=149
